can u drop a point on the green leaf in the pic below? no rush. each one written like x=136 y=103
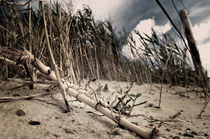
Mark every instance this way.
x=138 y=95
x=120 y=91
x=133 y=95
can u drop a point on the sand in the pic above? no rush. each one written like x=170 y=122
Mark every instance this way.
x=42 y=118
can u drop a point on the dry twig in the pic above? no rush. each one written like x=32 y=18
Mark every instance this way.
x=78 y=94
x=8 y=99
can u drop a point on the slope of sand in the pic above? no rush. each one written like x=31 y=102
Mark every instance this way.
x=85 y=122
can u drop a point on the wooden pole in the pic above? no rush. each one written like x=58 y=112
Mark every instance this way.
x=193 y=47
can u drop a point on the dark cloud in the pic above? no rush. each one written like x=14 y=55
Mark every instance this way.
x=133 y=11
x=130 y=15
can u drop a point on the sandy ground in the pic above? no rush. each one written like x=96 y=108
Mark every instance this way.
x=42 y=118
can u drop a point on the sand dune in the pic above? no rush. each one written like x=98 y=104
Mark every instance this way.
x=41 y=117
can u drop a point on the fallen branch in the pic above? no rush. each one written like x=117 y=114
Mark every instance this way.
x=6 y=60
x=33 y=82
x=145 y=133
x=78 y=94
x=8 y=99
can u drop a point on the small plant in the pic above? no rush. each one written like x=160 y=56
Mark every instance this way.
x=127 y=102
x=105 y=88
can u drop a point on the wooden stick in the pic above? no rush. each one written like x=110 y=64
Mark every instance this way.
x=39 y=65
x=8 y=99
x=78 y=94
x=33 y=82
x=8 y=61
x=145 y=133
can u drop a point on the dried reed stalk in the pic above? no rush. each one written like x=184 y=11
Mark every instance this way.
x=32 y=82
x=63 y=92
x=8 y=99
x=8 y=61
x=78 y=94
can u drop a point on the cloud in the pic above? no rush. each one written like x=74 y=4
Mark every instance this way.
x=102 y=9
x=204 y=50
x=127 y=13
x=139 y=15
x=197 y=11
x=126 y=51
x=202 y=31
x=144 y=26
x=124 y=13
x=200 y=8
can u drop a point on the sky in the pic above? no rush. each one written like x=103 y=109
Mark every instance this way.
x=142 y=15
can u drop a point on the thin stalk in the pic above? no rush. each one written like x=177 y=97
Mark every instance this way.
x=169 y=18
x=53 y=62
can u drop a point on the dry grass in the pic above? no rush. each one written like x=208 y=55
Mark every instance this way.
x=86 y=48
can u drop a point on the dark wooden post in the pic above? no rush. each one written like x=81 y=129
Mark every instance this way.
x=193 y=47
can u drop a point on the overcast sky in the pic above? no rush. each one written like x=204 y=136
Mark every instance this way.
x=143 y=15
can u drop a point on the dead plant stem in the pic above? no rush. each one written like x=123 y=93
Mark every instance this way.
x=53 y=62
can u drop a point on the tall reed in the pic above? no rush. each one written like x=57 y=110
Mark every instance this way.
x=87 y=48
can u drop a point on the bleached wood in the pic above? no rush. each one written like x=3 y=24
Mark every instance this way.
x=78 y=94
x=143 y=132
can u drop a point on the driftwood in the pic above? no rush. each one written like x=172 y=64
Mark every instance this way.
x=73 y=90
x=78 y=94
x=115 y=117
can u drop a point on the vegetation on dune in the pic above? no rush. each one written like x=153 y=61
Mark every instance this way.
x=87 y=48
x=84 y=48
x=162 y=55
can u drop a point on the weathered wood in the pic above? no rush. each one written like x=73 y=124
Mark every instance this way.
x=78 y=94
x=34 y=75
x=193 y=47
x=143 y=132
x=38 y=64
